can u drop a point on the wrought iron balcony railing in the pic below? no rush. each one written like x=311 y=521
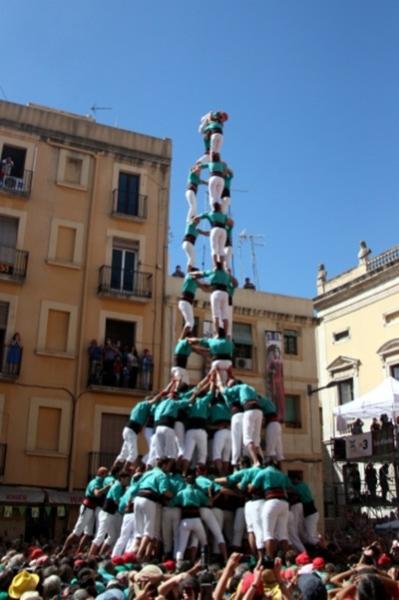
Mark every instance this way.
x=125 y=282
x=13 y=263
x=10 y=361
x=20 y=186
x=130 y=205
x=3 y=456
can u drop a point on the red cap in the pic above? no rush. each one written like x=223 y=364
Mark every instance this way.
x=79 y=563
x=384 y=561
x=129 y=557
x=169 y=565
x=35 y=553
x=319 y=562
x=118 y=560
x=302 y=559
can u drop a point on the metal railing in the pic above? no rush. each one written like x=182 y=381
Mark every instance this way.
x=385 y=258
x=3 y=456
x=100 y=459
x=10 y=360
x=124 y=282
x=113 y=373
x=13 y=263
x=17 y=185
x=129 y=205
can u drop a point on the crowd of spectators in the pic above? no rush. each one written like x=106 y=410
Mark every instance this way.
x=354 y=564
x=119 y=366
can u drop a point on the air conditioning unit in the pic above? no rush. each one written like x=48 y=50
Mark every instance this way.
x=10 y=182
x=244 y=363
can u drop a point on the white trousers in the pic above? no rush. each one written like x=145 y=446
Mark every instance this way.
x=165 y=442
x=216 y=142
x=196 y=439
x=295 y=518
x=252 y=426
x=126 y=534
x=147 y=517
x=170 y=528
x=223 y=366
x=215 y=189
x=274 y=441
x=217 y=240
x=310 y=526
x=129 y=447
x=214 y=522
x=180 y=437
x=253 y=512
x=180 y=375
x=187 y=312
x=219 y=305
x=275 y=520
x=236 y=437
x=108 y=528
x=225 y=204
x=189 y=251
x=86 y=521
x=228 y=257
x=186 y=528
x=191 y=198
x=150 y=457
x=221 y=446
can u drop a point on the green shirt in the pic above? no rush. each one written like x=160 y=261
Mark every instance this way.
x=130 y=493
x=169 y=408
x=183 y=347
x=193 y=178
x=214 y=123
x=139 y=413
x=227 y=178
x=303 y=490
x=191 y=229
x=242 y=393
x=220 y=412
x=94 y=484
x=200 y=408
x=205 y=484
x=267 y=406
x=115 y=492
x=218 y=346
x=176 y=483
x=217 y=167
x=190 y=285
x=218 y=277
x=215 y=218
x=155 y=480
x=191 y=496
x=270 y=478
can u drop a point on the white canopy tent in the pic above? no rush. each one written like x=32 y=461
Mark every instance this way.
x=384 y=399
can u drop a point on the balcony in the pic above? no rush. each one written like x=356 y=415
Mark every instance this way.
x=18 y=186
x=129 y=205
x=13 y=264
x=117 y=375
x=124 y=283
x=10 y=361
x=3 y=456
x=99 y=459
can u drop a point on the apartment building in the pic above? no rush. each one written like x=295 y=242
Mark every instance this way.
x=83 y=234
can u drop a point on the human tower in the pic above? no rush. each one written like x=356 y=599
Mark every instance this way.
x=205 y=483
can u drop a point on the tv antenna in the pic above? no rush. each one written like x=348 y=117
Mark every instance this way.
x=95 y=108
x=254 y=241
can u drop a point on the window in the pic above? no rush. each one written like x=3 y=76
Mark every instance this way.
x=295 y=473
x=8 y=237
x=128 y=194
x=124 y=265
x=345 y=391
x=395 y=371
x=120 y=331
x=4 y=309
x=242 y=338
x=65 y=243
x=111 y=433
x=290 y=342
x=48 y=428
x=57 y=329
x=73 y=170
x=292 y=411
x=18 y=157
x=339 y=336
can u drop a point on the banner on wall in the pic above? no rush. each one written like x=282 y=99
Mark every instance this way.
x=274 y=370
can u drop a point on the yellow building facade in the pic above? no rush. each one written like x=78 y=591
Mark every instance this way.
x=83 y=236
x=357 y=344
x=256 y=315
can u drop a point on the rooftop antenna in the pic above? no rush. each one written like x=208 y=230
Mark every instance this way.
x=244 y=236
x=95 y=108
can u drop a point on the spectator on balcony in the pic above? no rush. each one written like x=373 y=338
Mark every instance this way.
x=178 y=272
x=118 y=370
x=6 y=166
x=357 y=427
x=133 y=365
x=109 y=355
x=146 y=364
x=384 y=481
x=248 y=285
x=371 y=479
x=14 y=355
x=95 y=359
x=375 y=426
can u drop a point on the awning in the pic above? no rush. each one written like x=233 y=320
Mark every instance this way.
x=10 y=494
x=60 y=497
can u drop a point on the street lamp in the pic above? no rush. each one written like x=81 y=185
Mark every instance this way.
x=324 y=387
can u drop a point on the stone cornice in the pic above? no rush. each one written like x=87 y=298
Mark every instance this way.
x=356 y=286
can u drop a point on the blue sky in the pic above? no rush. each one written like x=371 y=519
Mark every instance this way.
x=311 y=87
